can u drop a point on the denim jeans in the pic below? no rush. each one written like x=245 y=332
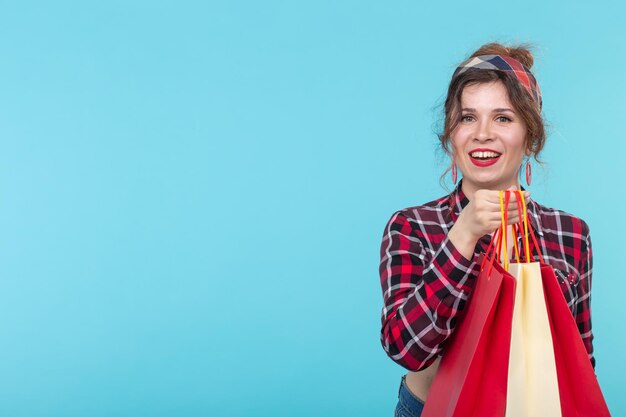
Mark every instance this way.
x=408 y=404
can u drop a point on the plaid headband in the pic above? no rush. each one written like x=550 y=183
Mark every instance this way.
x=503 y=63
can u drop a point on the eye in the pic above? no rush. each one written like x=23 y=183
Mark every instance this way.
x=504 y=118
x=465 y=117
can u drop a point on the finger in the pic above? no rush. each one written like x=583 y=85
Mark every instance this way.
x=512 y=216
x=497 y=218
x=512 y=202
x=513 y=220
x=490 y=206
x=494 y=196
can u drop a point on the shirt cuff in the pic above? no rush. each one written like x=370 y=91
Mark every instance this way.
x=452 y=266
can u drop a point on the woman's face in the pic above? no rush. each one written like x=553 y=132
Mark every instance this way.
x=489 y=141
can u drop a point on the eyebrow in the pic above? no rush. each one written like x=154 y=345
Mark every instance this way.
x=498 y=110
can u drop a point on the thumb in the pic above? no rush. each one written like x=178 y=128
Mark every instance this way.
x=514 y=188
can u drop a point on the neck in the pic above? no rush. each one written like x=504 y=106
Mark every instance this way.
x=469 y=190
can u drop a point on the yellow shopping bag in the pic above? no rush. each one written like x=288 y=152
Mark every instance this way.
x=532 y=387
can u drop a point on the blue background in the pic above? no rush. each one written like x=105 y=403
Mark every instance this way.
x=193 y=194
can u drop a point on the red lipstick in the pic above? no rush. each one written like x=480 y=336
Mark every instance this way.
x=484 y=162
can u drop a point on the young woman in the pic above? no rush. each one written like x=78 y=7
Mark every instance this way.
x=429 y=253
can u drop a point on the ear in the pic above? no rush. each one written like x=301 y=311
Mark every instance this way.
x=528 y=151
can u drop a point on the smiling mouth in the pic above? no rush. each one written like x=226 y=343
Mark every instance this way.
x=484 y=158
x=484 y=155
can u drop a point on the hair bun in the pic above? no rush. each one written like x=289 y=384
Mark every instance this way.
x=519 y=52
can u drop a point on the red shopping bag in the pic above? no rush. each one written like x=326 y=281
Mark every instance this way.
x=579 y=389
x=472 y=376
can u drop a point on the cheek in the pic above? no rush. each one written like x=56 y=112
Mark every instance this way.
x=455 y=140
x=517 y=145
x=457 y=149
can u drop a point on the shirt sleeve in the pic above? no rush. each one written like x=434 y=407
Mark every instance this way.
x=583 y=308
x=423 y=291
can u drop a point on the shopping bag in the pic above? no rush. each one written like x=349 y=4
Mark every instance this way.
x=472 y=376
x=516 y=351
x=471 y=379
x=579 y=389
x=532 y=383
x=556 y=370
x=532 y=379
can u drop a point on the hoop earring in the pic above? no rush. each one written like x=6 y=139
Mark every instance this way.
x=454 y=173
x=529 y=173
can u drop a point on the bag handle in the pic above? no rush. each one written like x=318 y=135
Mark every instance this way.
x=494 y=250
x=524 y=230
x=504 y=213
x=500 y=236
x=490 y=253
x=504 y=204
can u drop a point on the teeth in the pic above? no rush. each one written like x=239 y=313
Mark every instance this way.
x=484 y=154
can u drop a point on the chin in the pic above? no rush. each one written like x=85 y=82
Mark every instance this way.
x=491 y=183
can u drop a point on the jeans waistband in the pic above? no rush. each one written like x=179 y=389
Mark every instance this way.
x=407 y=398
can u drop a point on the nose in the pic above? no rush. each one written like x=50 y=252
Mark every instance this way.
x=483 y=132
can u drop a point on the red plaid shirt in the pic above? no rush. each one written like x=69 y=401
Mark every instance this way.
x=426 y=281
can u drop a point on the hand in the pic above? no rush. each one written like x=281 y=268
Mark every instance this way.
x=481 y=216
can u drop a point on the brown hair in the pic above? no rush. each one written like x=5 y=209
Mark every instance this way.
x=523 y=102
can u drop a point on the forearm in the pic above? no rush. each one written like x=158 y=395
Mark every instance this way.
x=423 y=291
x=462 y=240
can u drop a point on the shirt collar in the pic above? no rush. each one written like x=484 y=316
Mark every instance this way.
x=458 y=200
